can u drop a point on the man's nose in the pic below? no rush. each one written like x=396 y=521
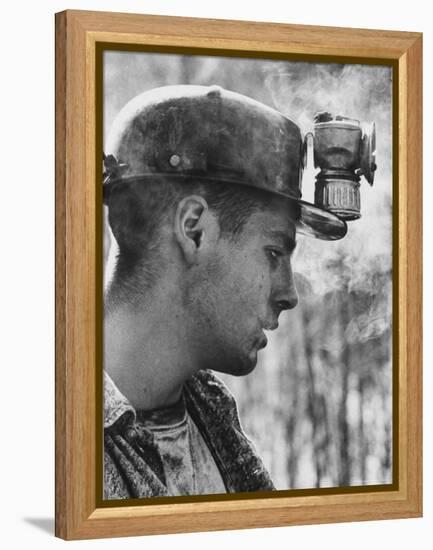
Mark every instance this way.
x=285 y=295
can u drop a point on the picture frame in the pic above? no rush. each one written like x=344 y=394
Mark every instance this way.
x=80 y=37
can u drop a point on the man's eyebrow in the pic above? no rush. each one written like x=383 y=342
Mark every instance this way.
x=289 y=243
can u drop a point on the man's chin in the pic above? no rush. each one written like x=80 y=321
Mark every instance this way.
x=240 y=367
x=247 y=365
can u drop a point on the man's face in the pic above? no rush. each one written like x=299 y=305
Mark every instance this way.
x=244 y=288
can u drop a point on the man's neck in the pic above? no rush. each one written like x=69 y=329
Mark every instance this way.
x=145 y=353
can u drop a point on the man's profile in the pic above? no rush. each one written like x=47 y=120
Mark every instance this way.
x=204 y=202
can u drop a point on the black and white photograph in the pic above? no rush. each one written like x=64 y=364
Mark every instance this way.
x=248 y=275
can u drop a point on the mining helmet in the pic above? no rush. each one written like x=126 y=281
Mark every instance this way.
x=211 y=134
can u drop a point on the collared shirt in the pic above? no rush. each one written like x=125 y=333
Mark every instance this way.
x=189 y=466
x=134 y=462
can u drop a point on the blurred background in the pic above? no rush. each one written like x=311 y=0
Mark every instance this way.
x=318 y=406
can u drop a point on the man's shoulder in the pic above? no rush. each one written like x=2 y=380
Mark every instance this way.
x=215 y=408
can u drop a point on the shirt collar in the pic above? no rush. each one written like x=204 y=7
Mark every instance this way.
x=115 y=403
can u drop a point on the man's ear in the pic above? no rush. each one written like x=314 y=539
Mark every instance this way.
x=193 y=222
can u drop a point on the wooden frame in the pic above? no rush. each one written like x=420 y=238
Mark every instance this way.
x=78 y=514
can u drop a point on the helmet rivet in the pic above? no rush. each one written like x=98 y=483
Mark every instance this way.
x=214 y=91
x=174 y=160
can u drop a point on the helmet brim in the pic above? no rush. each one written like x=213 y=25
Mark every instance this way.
x=312 y=220
x=319 y=223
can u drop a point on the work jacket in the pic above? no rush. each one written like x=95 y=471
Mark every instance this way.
x=133 y=467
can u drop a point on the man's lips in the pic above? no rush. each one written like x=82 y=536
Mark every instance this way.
x=262 y=341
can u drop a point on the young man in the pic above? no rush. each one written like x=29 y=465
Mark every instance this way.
x=203 y=197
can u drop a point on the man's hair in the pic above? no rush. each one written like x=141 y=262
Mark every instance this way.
x=139 y=209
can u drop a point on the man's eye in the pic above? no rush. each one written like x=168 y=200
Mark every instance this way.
x=274 y=254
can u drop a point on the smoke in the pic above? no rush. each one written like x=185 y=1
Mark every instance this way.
x=363 y=92
x=301 y=89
